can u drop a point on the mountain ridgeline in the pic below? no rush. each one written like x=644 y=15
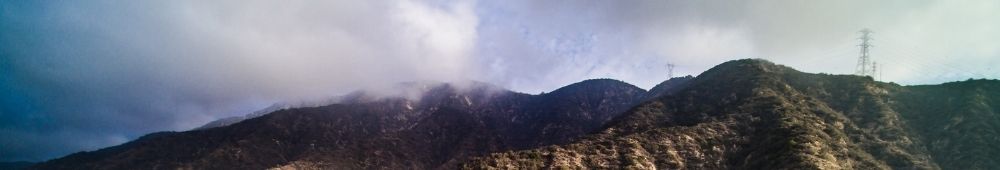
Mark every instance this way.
x=445 y=126
x=742 y=114
x=753 y=114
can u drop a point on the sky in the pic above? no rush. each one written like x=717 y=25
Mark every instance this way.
x=83 y=75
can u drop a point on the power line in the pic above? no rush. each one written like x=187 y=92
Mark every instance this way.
x=823 y=58
x=910 y=49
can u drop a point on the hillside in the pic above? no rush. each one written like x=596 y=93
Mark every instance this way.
x=753 y=114
x=958 y=121
x=742 y=114
x=441 y=128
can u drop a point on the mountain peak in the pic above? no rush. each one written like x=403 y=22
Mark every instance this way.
x=745 y=67
x=603 y=84
x=754 y=114
x=668 y=86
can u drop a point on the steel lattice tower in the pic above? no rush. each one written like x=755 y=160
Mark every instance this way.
x=865 y=66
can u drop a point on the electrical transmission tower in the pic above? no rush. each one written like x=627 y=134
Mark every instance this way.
x=670 y=70
x=865 y=65
x=874 y=72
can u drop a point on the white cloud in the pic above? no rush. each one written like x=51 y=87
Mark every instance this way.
x=154 y=66
x=441 y=39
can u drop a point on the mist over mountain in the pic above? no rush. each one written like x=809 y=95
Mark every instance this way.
x=741 y=114
x=443 y=126
x=90 y=74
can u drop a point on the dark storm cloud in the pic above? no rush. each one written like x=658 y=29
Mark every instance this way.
x=85 y=75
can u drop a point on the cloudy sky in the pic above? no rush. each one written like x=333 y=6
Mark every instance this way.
x=82 y=75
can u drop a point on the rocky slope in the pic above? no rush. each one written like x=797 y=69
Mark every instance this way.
x=743 y=114
x=753 y=114
x=442 y=127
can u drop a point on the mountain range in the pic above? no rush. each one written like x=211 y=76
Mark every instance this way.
x=741 y=114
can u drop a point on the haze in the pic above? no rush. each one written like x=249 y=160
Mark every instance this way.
x=83 y=75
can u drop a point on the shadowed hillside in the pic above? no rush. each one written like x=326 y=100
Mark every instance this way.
x=441 y=128
x=753 y=114
x=742 y=114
